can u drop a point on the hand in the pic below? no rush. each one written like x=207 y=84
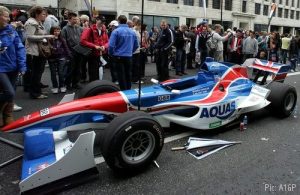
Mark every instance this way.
x=97 y=47
x=50 y=36
x=102 y=48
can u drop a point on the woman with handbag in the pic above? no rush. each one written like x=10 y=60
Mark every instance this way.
x=95 y=38
x=36 y=60
x=13 y=62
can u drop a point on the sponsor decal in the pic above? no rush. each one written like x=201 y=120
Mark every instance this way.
x=27 y=117
x=163 y=98
x=45 y=112
x=222 y=111
x=201 y=91
x=215 y=124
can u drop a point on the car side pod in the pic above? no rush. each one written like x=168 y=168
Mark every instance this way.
x=52 y=163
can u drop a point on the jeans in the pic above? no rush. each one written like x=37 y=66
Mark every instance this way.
x=58 y=66
x=180 y=60
x=36 y=67
x=284 y=54
x=7 y=83
x=123 y=68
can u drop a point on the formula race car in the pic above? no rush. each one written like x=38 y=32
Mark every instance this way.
x=132 y=139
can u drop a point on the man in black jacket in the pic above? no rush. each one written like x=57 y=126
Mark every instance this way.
x=201 y=40
x=163 y=45
x=180 y=43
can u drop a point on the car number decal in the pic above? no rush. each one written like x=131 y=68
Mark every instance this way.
x=45 y=112
x=163 y=98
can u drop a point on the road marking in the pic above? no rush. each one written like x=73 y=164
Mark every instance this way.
x=99 y=160
x=293 y=73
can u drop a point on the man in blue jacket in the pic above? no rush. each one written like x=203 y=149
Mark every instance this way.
x=123 y=42
x=12 y=62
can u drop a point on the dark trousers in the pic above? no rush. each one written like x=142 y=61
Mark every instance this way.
x=93 y=68
x=123 y=68
x=135 y=67
x=180 y=60
x=189 y=59
x=7 y=83
x=162 y=65
x=73 y=73
x=35 y=69
x=83 y=69
x=204 y=54
x=58 y=67
x=143 y=59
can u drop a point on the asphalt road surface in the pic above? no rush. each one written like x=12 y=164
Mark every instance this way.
x=267 y=161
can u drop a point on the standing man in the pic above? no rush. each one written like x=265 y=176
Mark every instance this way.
x=250 y=46
x=123 y=42
x=163 y=45
x=218 y=54
x=71 y=33
x=285 y=46
x=180 y=44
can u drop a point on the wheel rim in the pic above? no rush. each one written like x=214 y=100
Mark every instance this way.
x=138 y=147
x=289 y=102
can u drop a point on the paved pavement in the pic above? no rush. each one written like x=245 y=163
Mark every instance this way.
x=267 y=161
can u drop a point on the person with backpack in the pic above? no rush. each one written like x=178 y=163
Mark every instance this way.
x=215 y=43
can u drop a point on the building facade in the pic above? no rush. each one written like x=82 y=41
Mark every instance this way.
x=246 y=14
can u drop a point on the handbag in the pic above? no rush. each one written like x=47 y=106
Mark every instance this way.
x=83 y=50
x=45 y=48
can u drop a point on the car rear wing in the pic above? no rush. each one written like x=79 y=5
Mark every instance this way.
x=263 y=69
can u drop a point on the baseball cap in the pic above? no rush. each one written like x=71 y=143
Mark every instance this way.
x=114 y=23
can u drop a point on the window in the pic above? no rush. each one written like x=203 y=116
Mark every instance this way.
x=201 y=3
x=293 y=3
x=188 y=2
x=172 y=1
x=257 y=8
x=266 y=10
x=244 y=6
x=216 y=4
x=298 y=3
x=292 y=14
x=297 y=15
x=287 y=2
x=228 y=5
x=279 y=12
x=280 y=1
x=286 y=13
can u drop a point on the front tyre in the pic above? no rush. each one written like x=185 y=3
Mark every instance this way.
x=283 y=99
x=131 y=142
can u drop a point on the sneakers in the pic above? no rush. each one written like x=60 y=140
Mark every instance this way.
x=116 y=82
x=63 y=90
x=54 y=90
x=42 y=96
x=137 y=82
x=17 y=108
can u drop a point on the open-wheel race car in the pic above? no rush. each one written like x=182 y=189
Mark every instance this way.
x=132 y=138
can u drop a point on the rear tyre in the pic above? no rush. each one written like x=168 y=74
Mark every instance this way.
x=283 y=99
x=97 y=87
x=131 y=142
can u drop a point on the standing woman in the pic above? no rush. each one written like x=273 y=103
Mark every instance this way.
x=12 y=62
x=35 y=33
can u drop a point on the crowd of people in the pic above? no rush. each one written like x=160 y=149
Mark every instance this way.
x=75 y=47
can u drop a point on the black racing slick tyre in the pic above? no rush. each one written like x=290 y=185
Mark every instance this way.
x=97 y=87
x=131 y=142
x=283 y=99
